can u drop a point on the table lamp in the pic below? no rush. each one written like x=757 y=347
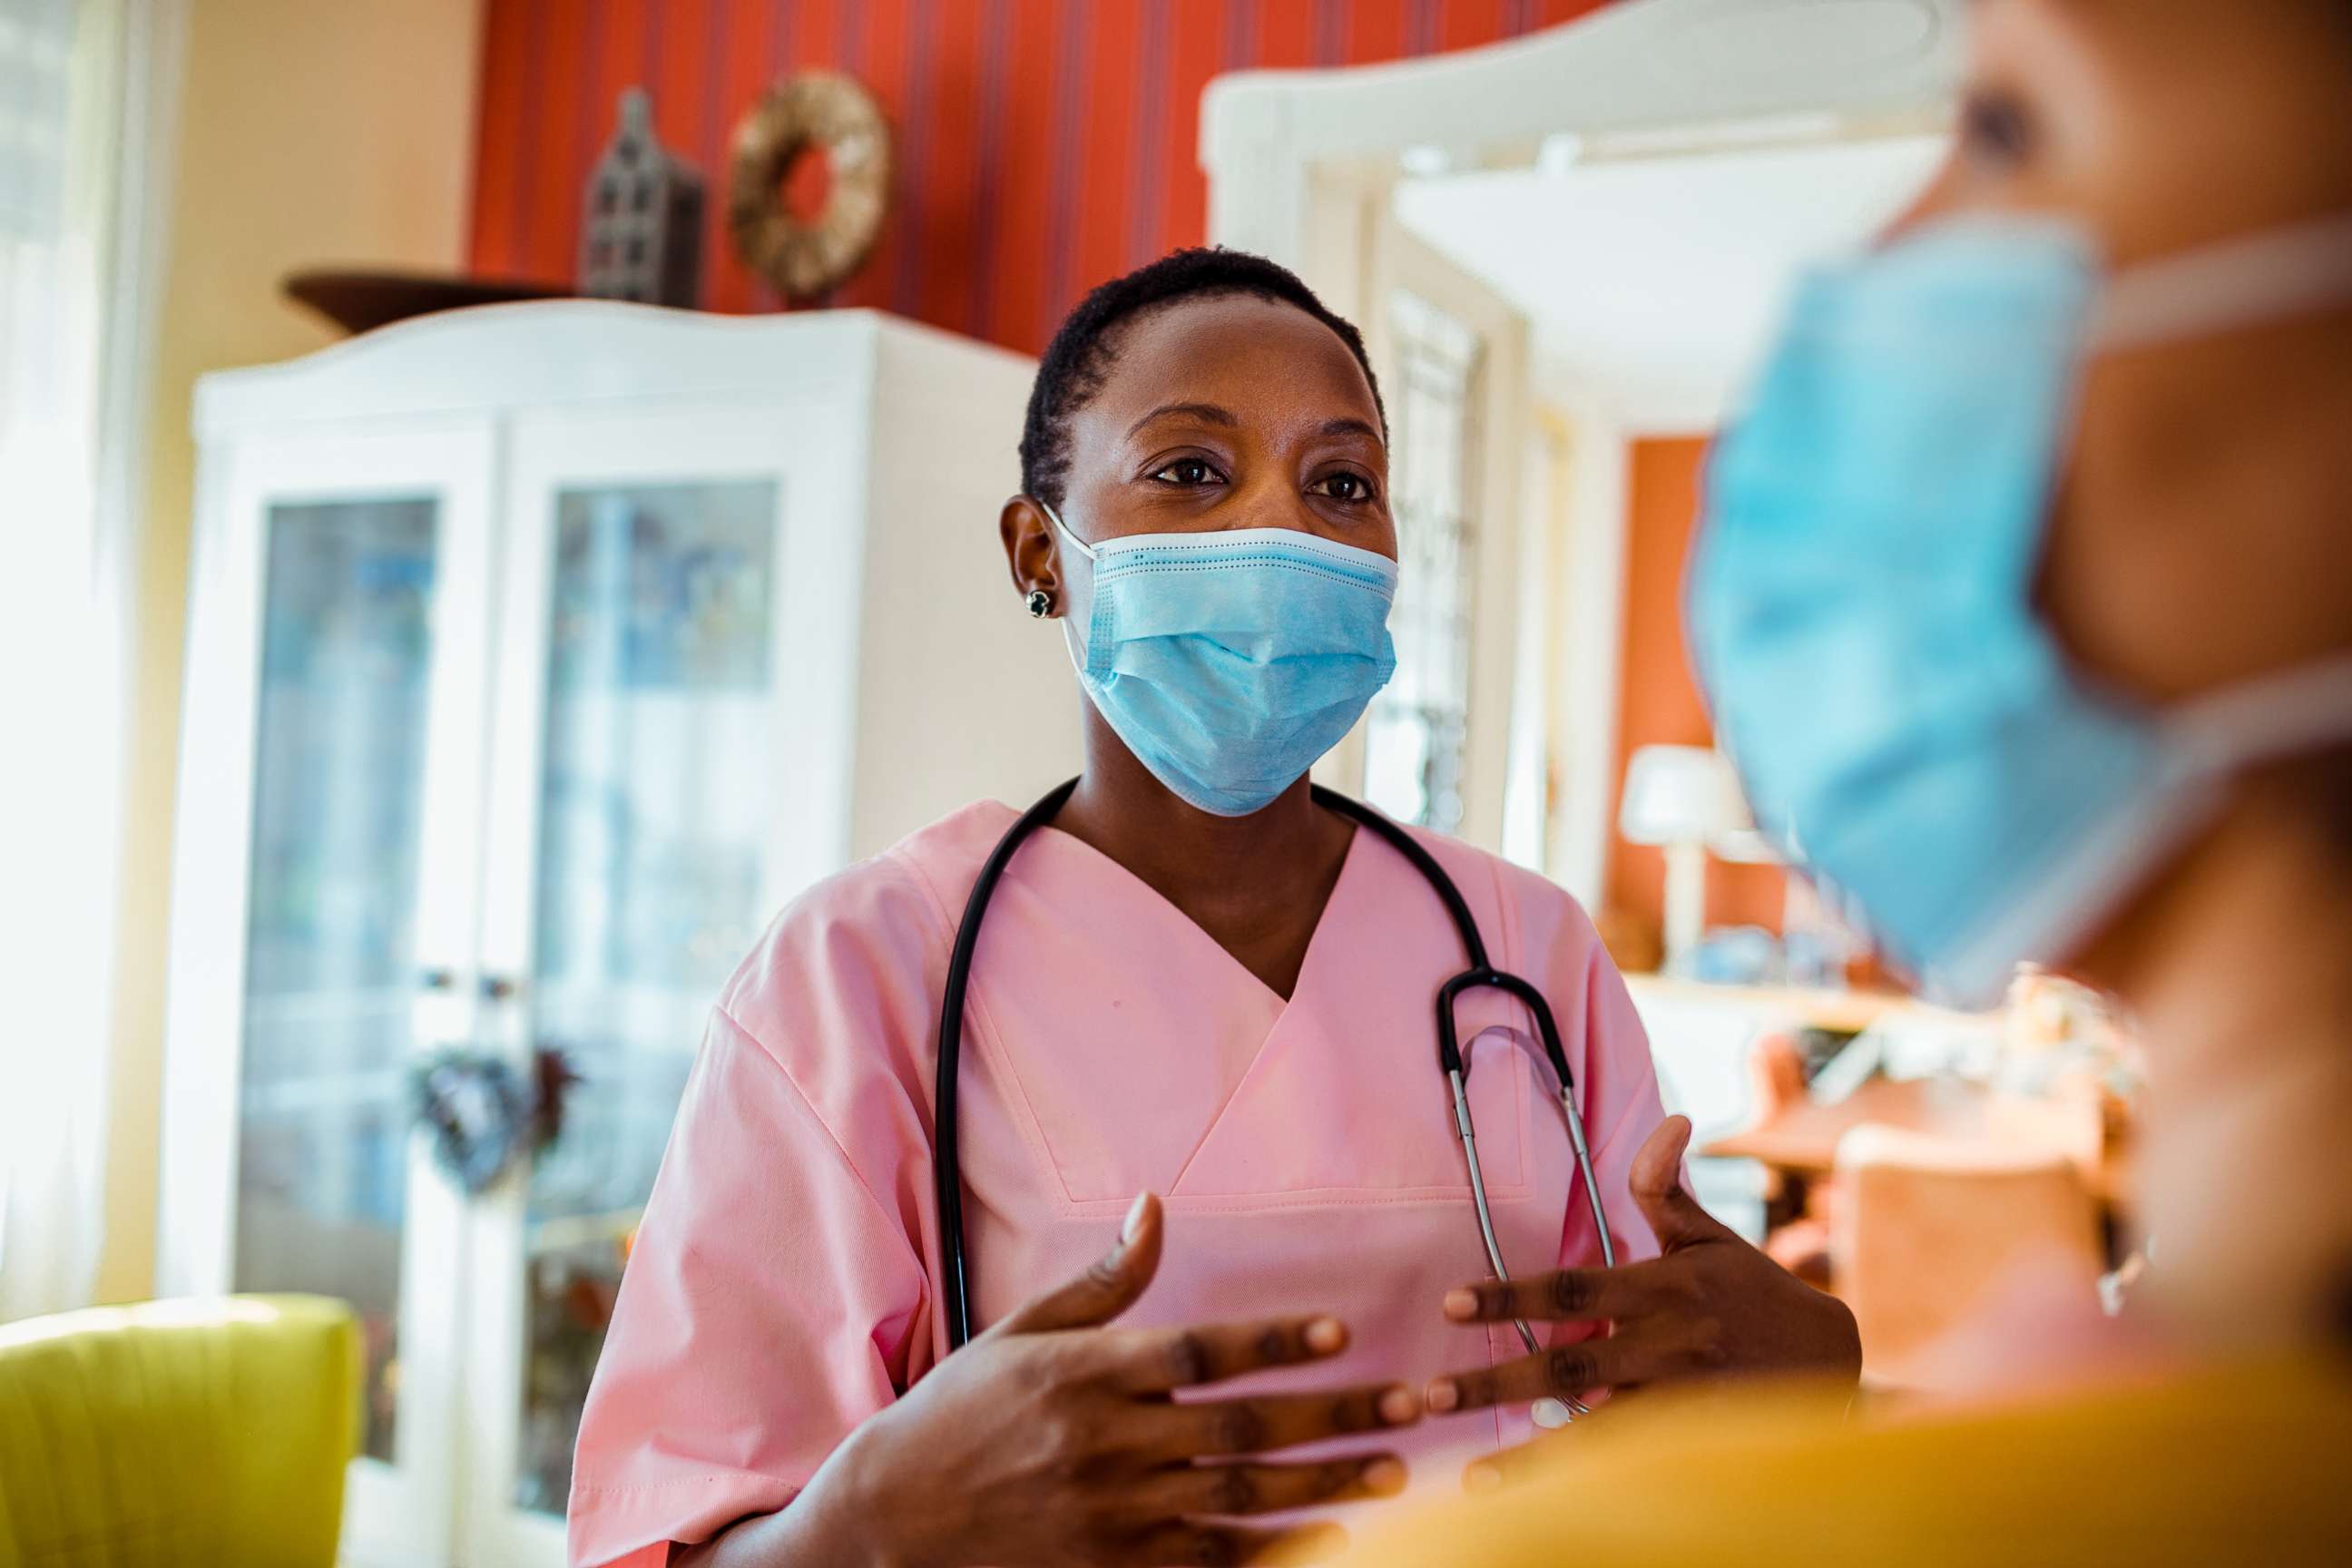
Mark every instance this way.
x=1684 y=799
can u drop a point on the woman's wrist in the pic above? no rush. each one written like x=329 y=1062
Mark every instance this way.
x=847 y=1512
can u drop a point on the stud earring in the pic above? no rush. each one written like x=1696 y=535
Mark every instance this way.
x=1041 y=603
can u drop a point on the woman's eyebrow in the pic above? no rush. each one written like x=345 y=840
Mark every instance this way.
x=1207 y=413
x=1349 y=428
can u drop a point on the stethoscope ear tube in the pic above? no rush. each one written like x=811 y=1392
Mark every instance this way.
x=1468 y=1130
x=1548 y=1031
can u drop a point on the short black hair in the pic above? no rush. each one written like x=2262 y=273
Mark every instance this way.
x=1079 y=360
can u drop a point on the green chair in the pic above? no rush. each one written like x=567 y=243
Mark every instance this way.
x=211 y=1431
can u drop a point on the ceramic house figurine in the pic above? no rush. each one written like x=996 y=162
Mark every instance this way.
x=642 y=239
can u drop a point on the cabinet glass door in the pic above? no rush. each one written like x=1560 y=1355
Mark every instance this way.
x=337 y=795
x=653 y=803
x=636 y=800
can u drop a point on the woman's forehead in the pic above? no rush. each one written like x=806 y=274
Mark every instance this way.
x=1266 y=362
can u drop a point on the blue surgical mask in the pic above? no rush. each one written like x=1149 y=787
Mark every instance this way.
x=1861 y=600
x=1228 y=662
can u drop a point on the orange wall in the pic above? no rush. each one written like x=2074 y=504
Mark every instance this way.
x=1040 y=146
x=1658 y=702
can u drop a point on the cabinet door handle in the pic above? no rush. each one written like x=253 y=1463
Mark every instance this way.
x=438 y=980
x=500 y=988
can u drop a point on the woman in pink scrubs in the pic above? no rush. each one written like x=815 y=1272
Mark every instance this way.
x=1213 y=1189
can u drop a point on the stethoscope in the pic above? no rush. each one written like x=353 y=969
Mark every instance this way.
x=956 y=1282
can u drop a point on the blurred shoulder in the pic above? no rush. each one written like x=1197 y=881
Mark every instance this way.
x=2228 y=1464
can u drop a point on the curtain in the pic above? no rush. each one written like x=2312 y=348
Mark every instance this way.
x=69 y=268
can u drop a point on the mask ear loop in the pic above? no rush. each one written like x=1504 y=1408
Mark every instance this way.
x=1069 y=622
x=1080 y=545
x=2265 y=719
x=2243 y=283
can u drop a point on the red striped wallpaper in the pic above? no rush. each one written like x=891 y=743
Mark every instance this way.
x=1042 y=145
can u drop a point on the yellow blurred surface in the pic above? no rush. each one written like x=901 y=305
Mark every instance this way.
x=178 y=1432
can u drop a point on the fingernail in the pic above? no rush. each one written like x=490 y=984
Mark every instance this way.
x=1482 y=1478
x=1134 y=1221
x=1325 y=1335
x=1398 y=1406
x=1385 y=1477
x=1443 y=1396
x=1461 y=1305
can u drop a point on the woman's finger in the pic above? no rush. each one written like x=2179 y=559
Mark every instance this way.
x=1160 y=1361
x=1189 y=1545
x=1237 y=1491
x=1568 y=1296
x=1655 y=1182
x=1563 y=1370
x=1230 y=1428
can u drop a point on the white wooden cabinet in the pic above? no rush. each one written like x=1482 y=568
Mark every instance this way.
x=538 y=655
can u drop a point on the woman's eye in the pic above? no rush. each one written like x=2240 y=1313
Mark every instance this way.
x=1996 y=129
x=1345 y=486
x=1186 y=471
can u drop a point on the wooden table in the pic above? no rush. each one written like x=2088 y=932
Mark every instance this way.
x=1801 y=1140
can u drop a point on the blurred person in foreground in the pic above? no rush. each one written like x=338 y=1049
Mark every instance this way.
x=2024 y=603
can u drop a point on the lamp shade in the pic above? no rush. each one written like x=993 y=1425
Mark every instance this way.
x=1682 y=795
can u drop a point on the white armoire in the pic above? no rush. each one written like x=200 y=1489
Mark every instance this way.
x=538 y=655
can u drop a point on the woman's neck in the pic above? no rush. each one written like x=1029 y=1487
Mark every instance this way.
x=2240 y=974
x=1257 y=884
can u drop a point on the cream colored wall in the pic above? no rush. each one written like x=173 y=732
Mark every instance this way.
x=309 y=134
x=933 y=728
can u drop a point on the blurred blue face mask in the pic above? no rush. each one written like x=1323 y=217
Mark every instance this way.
x=1861 y=599
x=1229 y=662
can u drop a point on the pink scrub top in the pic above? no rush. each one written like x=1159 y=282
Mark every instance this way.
x=781 y=1291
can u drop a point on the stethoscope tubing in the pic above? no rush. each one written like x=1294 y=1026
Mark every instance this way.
x=955 y=1275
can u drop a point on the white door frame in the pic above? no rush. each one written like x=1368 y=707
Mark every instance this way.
x=398 y=1512
x=1301 y=165
x=1396 y=261
x=1269 y=138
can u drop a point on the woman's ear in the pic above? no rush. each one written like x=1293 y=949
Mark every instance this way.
x=1031 y=553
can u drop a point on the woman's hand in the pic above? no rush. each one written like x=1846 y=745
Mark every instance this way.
x=1710 y=1306
x=1052 y=1439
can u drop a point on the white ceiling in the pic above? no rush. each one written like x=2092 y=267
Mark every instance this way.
x=1652 y=283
